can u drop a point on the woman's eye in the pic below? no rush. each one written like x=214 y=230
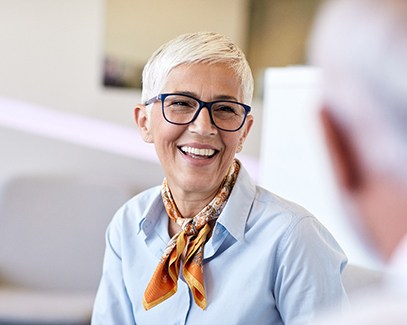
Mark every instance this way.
x=225 y=109
x=177 y=103
x=182 y=103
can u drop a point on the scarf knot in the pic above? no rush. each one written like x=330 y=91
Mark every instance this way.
x=188 y=226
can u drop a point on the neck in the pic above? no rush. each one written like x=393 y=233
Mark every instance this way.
x=189 y=204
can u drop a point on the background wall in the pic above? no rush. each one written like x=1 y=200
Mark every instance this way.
x=278 y=32
x=271 y=32
x=52 y=51
x=51 y=54
x=136 y=28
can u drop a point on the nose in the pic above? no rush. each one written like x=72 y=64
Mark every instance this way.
x=203 y=124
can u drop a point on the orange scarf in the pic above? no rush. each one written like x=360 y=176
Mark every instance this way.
x=191 y=240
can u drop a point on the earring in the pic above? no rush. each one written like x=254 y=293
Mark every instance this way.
x=239 y=147
x=147 y=138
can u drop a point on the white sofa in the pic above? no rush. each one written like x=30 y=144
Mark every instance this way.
x=51 y=246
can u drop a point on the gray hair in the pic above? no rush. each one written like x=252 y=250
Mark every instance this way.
x=207 y=47
x=361 y=46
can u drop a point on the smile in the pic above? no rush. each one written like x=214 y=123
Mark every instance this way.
x=198 y=153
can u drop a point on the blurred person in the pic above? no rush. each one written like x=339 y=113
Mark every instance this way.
x=208 y=245
x=361 y=47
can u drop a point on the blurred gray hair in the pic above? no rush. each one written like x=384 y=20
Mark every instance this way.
x=207 y=47
x=361 y=46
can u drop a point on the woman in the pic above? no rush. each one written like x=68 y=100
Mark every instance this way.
x=208 y=246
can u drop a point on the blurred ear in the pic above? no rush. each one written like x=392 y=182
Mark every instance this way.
x=341 y=150
x=142 y=119
x=246 y=129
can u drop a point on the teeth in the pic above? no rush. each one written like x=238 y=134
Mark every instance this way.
x=198 y=152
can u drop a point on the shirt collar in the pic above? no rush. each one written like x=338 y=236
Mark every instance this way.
x=152 y=212
x=234 y=215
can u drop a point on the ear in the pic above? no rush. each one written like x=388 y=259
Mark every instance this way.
x=142 y=119
x=343 y=156
x=246 y=129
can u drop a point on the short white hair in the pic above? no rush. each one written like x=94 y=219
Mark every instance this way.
x=361 y=46
x=207 y=47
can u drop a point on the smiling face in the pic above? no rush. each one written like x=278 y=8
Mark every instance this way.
x=195 y=157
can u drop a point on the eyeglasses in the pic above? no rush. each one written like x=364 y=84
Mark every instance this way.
x=181 y=109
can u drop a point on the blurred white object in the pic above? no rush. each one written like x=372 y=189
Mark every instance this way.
x=294 y=162
x=51 y=246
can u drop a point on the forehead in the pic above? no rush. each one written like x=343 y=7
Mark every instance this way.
x=204 y=79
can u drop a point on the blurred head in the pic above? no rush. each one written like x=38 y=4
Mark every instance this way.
x=200 y=47
x=361 y=45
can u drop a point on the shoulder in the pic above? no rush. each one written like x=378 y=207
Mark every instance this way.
x=294 y=225
x=280 y=211
x=266 y=198
x=136 y=209
x=144 y=200
x=265 y=212
x=128 y=219
x=253 y=199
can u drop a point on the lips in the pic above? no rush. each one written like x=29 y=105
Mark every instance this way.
x=198 y=152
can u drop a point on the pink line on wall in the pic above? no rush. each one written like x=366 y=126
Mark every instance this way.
x=85 y=131
x=77 y=129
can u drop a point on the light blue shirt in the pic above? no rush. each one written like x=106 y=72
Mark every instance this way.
x=269 y=261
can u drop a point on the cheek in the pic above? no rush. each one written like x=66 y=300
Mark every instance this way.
x=166 y=134
x=159 y=128
x=231 y=142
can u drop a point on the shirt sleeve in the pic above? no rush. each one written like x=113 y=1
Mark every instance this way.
x=309 y=264
x=112 y=304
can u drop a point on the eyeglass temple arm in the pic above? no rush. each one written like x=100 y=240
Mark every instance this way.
x=152 y=100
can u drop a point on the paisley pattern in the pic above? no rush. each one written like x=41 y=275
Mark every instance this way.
x=187 y=246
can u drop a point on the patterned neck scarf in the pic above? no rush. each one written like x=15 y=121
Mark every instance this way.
x=188 y=245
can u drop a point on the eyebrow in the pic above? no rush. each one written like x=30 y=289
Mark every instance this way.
x=221 y=97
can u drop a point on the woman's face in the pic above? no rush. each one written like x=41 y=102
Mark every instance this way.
x=196 y=157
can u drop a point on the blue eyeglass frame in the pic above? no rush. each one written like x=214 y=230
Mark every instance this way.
x=202 y=104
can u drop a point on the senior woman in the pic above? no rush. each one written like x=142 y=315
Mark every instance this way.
x=208 y=245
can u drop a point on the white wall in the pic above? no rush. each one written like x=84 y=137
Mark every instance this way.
x=51 y=54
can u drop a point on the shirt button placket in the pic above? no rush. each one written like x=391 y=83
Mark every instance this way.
x=185 y=301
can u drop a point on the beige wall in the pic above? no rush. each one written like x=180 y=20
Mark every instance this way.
x=279 y=31
x=135 y=28
x=271 y=32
